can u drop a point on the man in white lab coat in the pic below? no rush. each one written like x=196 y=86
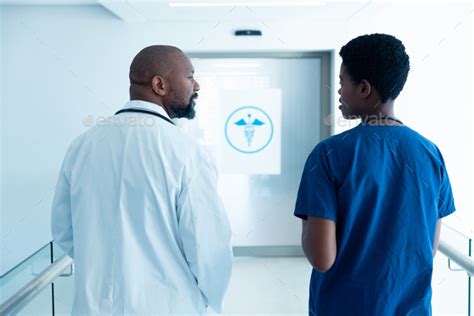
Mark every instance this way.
x=136 y=203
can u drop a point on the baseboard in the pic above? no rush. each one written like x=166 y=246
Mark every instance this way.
x=268 y=251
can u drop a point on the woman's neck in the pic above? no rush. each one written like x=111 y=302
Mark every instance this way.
x=381 y=114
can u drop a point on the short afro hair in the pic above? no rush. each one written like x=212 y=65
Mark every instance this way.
x=381 y=60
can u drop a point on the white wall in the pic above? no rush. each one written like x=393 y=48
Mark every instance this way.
x=62 y=64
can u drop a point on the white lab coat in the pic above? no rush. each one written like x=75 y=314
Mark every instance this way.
x=137 y=208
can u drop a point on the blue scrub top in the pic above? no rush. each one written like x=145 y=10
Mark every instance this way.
x=385 y=187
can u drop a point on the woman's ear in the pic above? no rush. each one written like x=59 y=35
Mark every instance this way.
x=364 y=88
x=159 y=85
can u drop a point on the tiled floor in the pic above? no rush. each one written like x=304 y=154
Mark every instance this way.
x=262 y=286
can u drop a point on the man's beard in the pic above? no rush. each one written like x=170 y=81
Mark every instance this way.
x=187 y=112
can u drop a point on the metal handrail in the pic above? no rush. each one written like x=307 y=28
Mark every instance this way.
x=26 y=294
x=463 y=261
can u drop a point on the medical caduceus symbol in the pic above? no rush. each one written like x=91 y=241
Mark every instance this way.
x=249 y=127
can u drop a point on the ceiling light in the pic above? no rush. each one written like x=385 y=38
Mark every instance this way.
x=248 y=4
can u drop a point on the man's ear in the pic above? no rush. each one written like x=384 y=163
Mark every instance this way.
x=159 y=85
x=364 y=88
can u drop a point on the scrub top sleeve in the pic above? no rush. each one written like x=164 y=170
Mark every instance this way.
x=317 y=191
x=446 y=200
x=205 y=233
x=61 y=220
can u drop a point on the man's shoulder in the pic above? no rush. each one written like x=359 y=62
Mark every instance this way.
x=181 y=141
x=186 y=147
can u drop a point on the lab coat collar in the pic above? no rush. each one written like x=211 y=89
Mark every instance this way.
x=145 y=105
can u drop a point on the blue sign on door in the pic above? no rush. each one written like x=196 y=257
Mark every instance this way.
x=249 y=129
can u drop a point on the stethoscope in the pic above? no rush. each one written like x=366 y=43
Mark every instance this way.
x=146 y=112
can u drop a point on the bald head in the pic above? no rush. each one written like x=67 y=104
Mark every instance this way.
x=153 y=60
x=164 y=75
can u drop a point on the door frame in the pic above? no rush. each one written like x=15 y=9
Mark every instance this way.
x=326 y=124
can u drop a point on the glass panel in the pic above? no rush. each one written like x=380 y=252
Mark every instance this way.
x=24 y=273
x=63 y=287
x=450 y=288
x=455 y=238
x=40 y=305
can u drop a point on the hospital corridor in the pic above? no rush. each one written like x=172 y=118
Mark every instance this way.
x=186 y=157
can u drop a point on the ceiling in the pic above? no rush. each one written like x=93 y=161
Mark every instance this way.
x=160 y=10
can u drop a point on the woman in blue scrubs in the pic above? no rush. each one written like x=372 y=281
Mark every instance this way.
x=371 y=199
